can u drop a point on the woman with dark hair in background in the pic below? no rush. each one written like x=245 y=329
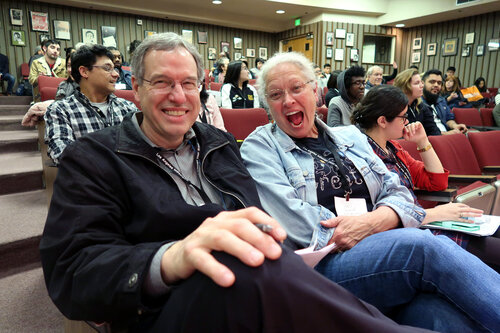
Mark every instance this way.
x=332 y=86
x=221 y=70
x=209 y=111
x=480 y=83
x=236 y=93
x=451 y=92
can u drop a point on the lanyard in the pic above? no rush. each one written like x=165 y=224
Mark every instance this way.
x=169 y=165
x=203 y=115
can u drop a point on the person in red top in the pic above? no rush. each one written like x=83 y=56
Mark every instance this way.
x=382 y=114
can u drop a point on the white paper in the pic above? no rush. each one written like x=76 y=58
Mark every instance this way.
x=488 y=225
x=312 y=257
x=353 y=207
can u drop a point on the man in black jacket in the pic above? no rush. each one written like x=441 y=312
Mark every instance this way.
x=151 y=225
x=5 y=75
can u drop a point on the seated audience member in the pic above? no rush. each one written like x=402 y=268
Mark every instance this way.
x=451 y=71
x=222 y=64
x=236 y=93
x=133 y=241
x=5 y=75
x=68 y=86
x=124 y=80
x=452 y=94
x=375 y=76
x=382 y=115
x=413 y=67
x=215 y=69
x=49 y=65
x=443 y=117
x=133 y=45
x=258 y=65
x=209 y=111
x=325 y=185
x=496 y=113
x=412 y=86
x=38 y=54
x=321 y=82
x=327 y=70
x=332 y=87
x=480 y=83
x=351 y=86
x=92 y=107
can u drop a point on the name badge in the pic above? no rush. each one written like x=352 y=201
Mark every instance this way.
x=120 y=86
x=353 y=207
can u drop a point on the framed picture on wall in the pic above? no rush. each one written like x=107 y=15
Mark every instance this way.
x=329 y=53
x=340 y=33
x=44 y=37
x=16 y=16
x=431 y=49
x=355 y=55
x=329 y=38
x=417 y=43
x=465 y=51
x=224 y=47
x=263 y=52
x=212 y=53
x=339 y=54
x=39 y=21
x=493 y=44
x=89 y=36
x=469 y=38
x=237 y=55
x=415 y=57
x=250 y=53
x=202 y=37
x=148 y=33
x=349 y=40
x=237 y=41
x=18 y=37
x=108 y=36
x=480 y=50
x=450 y=47
x=61 y=30
x=187 y=35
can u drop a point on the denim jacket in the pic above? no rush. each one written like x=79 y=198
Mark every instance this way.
x=287 y=188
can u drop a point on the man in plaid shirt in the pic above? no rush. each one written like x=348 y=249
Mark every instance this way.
x=92 y=107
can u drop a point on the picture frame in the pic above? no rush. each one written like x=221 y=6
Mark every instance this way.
x=108 y=35
x=237 y=55
x=61 y=30
x=493 y=44
x=39 y=21
x=18 y=37
x=202 y=37
x=224 y=47
x=16 y=16
x=431 y=49
x=212 y=53
x=263 y=52
x=450 y=46
x=148 y=33
x=339 y=54
x=89 y=36
x=480 y=50
x=43 y=37
x=417 y=43
x=340 y=33
x=250 y=53
x=349 y=40
x=469 y=38
x=329 y=53
x=465 y=51
x=237 y=43
x=329 y=38
x=415 y=57
x=187 y=35
x=354 y=55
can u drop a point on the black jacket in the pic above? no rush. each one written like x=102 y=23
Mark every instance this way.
x=113 y=207
x=421 y=112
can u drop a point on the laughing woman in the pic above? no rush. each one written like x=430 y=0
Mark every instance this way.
x=326 y=185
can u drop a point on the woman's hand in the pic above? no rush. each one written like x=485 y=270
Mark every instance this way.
x=415 y=132
x=451 y=212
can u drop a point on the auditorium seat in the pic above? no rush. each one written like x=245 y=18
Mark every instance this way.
x=215 y=86
x=241 y=122
x=411 y=148
x=485 y=146
x=49 y=81
x=468 y=116
x=128 y=95
x=47 y=93
x=494 y=91
x=25 y=70
x=322 y=113
x=487 y=117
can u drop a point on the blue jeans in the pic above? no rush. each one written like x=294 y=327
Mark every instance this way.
x=10 y=82
x=391 y=268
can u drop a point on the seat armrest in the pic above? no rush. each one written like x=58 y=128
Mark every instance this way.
x=440 y=196
x=491 y=170
x=485 y=128
x=469 y=179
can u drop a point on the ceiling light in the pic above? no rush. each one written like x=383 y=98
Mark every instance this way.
x=216 y=2
x=400 y=25
x=280 y=11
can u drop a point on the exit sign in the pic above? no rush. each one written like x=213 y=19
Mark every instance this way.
x=297 y=22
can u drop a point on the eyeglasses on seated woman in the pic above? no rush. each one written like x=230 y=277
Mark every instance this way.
x=326 y=185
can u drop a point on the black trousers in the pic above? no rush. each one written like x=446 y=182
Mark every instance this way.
x=280 y=296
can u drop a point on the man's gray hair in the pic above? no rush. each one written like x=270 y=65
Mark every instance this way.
x=370 y=70
x=296 y=58
x=163 y=42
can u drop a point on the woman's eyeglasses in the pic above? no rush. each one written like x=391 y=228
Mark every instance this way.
x=296 y=89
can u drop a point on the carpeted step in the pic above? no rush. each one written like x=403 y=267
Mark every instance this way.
x=20 y=172
x=15 y=100
x=12 y=123
x=18 y=141
x=7 y=110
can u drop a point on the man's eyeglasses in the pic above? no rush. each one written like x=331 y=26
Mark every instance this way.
x=166 y=85
x=404 y=117
x=108 y=68
x=296 y=89
x=359 y=83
